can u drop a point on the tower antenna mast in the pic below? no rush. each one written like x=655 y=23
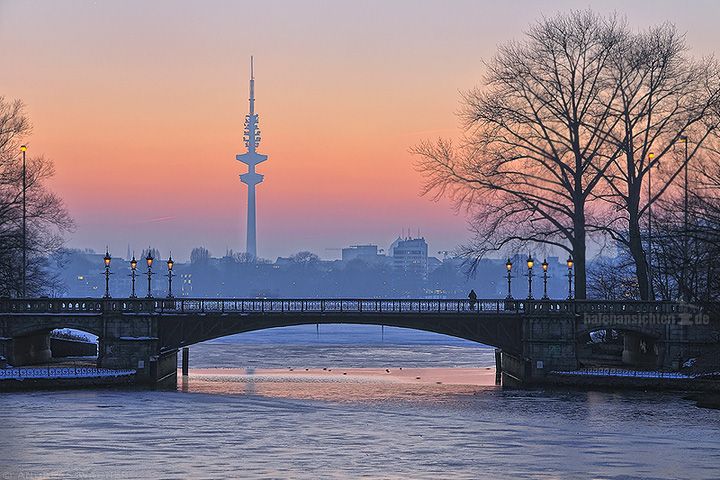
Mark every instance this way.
x=251 y=137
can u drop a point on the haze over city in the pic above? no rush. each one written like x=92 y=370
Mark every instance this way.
x=141 y=107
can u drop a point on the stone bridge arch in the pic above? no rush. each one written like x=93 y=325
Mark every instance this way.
x=89 y=324
x=29 y=342
x=633 y=347
x=501 y=331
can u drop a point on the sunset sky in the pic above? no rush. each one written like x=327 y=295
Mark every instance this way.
x=141 y=107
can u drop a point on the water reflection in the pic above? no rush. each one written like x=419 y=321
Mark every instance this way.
x=341 y=385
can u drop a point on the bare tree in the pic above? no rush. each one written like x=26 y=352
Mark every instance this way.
x=693 y=277
x=677 y=274
x=612 y=278
x=200 y=256
x=663 y=96
x=536 y=144
x=47 y=217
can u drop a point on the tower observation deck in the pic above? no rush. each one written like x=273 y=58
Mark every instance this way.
x=251 y=158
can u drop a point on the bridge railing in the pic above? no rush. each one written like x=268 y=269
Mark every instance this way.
x=339 y=305
x=95 y=306
x=632 y=307
x=76 y=306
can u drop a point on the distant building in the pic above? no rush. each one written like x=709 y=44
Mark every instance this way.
x=433 y=263
x=410 y=255
x=282 y=262
x=186 y=286
x=367 y=253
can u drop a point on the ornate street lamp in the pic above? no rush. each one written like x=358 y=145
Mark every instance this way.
x=508 y=266
x=149 y=259
x=684 y=139
x=530 y=264
x=23 y=149
x=133 y=267
x=545 y=277
x=170 y=275
x=651 y=157
x=683 y=273
x=570 y=264
x=107 y=260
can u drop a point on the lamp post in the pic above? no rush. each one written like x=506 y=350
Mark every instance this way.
x=149 y=259
x=570 y=277
x=508 y=266
x=530 y=263
x=170 y=275
x=651 y=157
x=133 y=267
x=684 y=139
x=545 y=277
x=107 y=260
x=23 y=149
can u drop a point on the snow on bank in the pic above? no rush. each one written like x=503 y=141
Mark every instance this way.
x=619 y=372
x=22 y=373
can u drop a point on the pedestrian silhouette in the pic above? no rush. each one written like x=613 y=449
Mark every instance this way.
x=473 y=299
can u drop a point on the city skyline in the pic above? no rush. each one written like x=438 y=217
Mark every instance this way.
x=141 y=151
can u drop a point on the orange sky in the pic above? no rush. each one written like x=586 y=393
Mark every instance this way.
x=141 y=107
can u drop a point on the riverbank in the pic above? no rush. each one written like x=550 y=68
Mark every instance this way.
x=616 y=378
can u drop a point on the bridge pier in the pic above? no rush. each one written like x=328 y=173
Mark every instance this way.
x=515 y=371
x=163 y=370
x=30 y=349
x=549 y=344
x=185 y=361
x=6 y=347
x=131 y=342
x=640 y=351
x=152 y=367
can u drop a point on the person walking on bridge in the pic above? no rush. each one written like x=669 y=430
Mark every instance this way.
x=473 y=299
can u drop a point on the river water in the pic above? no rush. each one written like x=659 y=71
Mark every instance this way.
x=244 y=423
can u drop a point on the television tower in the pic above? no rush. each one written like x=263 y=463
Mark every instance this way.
x=251 y=158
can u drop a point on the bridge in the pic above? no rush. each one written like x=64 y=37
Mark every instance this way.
x=536 y=337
